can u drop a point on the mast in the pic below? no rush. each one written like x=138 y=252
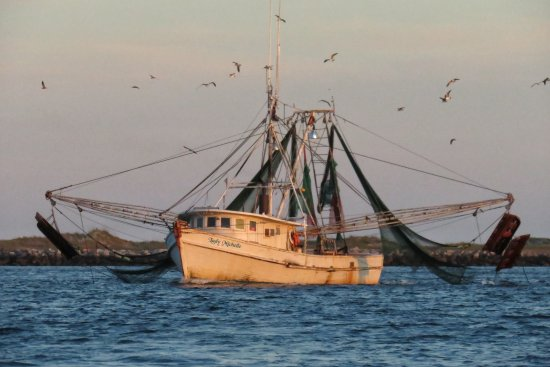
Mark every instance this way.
x=272 y=95
x=269 y=204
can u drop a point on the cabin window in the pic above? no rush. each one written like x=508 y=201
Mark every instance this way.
x=226 y=223
x=239 y=223
x=199 y=222
x=269 y=232
x=252 y=226
x=277 y=230
x=211 y=222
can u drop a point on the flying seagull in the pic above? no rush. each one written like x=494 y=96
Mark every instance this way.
x=207 y=84
x=238 y=66
x=43 y=85
x=452 y=81
x=189 y=149
x=452 y=141
x=446 y=97
x=152 y=76
x=135 y=87
x=331 y=58
x=547 y=80
x=400 y=108
x=279 y=18
x=232 y=75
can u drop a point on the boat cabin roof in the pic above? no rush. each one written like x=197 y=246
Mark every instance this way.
x=232 y=213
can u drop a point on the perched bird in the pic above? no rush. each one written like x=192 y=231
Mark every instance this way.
x=238 y=66
x=268 y=67
x=446 y=97
x=331 y=58
x=208 y=84
x=325 y=101
x=400 y=108
x=547 y=80
x=152 y=76
x=232 y=75
x=135 y=87
x=43 y=85
x=452 y=81
x=189 y=149
x=452 y=141
x=280 y=19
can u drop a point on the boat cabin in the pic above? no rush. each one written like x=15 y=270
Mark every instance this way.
x=270 y=231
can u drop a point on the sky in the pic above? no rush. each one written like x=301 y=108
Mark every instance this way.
x=90 y=121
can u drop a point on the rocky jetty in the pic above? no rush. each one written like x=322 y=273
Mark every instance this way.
x=97 y=248
x=102 y=248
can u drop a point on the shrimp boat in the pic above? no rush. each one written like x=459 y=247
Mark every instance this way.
x=258 y=239
x=280 y=214
x=280 y=228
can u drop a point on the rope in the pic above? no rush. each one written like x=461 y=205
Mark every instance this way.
x=160 y=217
x=487 y=228
x=477 y=225
x=198 y=150
x=525 y=274
x=118 y=220
x=125 y=211
x=212 y=183
x=97 y=241
x=421 y=171
x=406 y=216
x=468 y=181
x=88 y=235
x=412 y=152
x=244 y=140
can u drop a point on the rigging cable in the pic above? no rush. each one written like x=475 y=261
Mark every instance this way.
x=116 y=217
x=125 y=221
x=212 y=183
x=486 y=229
x=471 y=183
x=229 y=156
x=91 y=237
x=162 y=160
x=234 y=150
x=475 y=183
x=468 y=181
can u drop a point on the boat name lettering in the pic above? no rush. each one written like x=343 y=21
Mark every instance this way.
x=226 y=243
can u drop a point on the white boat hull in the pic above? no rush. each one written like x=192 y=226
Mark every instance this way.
x=208 y=256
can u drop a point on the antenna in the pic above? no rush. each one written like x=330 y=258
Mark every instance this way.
x=268 y=64
x=277 y=80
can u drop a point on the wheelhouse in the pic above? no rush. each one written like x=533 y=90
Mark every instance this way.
x=244 y=226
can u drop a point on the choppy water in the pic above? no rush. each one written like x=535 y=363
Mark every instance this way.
x=81 y=316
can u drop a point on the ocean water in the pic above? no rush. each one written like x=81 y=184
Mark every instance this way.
x=84 y=316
